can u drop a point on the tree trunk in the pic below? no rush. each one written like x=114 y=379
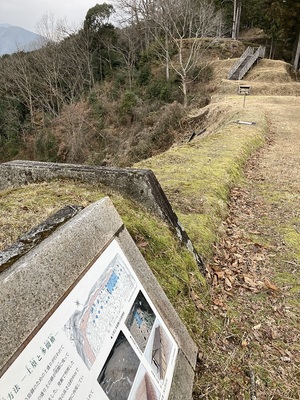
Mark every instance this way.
x=297 y=55
x=237 y=9
x=129 y=77
x=167 y=59
x=184 y=91
x=233 y=34
x=238 y=19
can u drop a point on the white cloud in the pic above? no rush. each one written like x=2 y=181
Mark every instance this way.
x=27 y=13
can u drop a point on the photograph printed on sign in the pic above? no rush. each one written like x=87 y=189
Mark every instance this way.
x=140 y=321
x=158 y=351
x=144 y=387
x=119 y=371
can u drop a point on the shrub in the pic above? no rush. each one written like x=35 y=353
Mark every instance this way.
x=46 y=147
x=167 y=122
x=201 y=73
x=98 y=110
x=166 y=91
x=126 y=110
x=160 y=136
x=144 y=75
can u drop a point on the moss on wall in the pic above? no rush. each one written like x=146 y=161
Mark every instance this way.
x=172 y=264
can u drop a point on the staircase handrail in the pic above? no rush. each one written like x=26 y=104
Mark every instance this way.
x=249 y=51
x=260 y=52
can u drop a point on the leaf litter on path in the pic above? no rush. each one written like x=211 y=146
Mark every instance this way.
x=255 y=280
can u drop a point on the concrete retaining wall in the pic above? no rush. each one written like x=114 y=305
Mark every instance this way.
x=140 y=185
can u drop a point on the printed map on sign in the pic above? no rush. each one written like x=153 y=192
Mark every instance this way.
x=89 y=327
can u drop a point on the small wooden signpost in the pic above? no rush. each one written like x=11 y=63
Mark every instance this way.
x=244 y=90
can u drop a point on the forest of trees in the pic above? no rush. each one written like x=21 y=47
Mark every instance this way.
x=66 y=101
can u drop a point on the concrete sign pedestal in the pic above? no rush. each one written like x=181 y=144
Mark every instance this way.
x=84 y=318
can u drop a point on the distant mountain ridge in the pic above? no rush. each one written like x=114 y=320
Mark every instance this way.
x=15 y=38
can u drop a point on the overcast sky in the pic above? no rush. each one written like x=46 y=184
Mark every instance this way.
x=27 y=13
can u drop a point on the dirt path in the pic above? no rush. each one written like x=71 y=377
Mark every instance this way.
x=256 y=271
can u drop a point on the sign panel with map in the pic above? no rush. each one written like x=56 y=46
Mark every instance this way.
x=105 y=341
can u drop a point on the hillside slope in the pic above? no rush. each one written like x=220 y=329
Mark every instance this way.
x=201 y=172
x=236 y=190
x=246 y=222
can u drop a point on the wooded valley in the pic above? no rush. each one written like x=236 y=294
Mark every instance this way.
x=116 y=93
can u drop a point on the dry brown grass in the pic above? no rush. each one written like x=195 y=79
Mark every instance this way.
x=267 y=78
x=252 y=34
x=255 y=271
x=251 y=337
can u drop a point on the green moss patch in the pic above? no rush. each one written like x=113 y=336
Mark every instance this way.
x=197 y=178
x=292 y=239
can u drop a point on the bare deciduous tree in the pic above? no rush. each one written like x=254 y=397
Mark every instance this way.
x=75 y=132
x=17 y=80
x=128 y=46
x=176 y=24
x=51 y=29
x=181 y=26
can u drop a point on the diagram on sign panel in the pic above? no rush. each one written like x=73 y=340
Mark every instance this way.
x=93 y=322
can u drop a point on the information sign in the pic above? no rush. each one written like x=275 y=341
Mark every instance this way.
x=105 y=341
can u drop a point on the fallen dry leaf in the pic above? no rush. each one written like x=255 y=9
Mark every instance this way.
x=274 y=334
x=216 y=268
x=196 y=300
x=214 y=280
x=256 y=327
x=218 y=302
x=220 y=274
x=270 y=285
x=228 y=283
x=257 y=335
x=142 y=244
x=249 y=280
